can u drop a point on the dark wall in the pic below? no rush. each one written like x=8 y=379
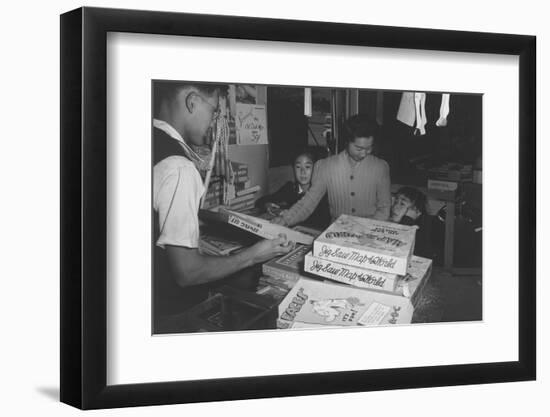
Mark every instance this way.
x=286 y=123
x=460 y=141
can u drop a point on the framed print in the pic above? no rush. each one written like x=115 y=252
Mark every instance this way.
x=257 y=208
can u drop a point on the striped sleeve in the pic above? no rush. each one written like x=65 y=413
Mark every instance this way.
x=383 y=193
x=307 y=204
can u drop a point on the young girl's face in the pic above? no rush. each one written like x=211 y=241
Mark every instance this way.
x=303 y=168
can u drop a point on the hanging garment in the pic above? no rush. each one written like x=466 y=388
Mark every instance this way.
x=308 y=104
x=443 y=111
x=420 y=113
x=406 y=112
x=412 y=111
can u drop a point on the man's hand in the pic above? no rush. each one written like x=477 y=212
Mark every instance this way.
x=267 y=249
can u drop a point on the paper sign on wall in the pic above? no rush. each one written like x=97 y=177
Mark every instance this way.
x=251 y=124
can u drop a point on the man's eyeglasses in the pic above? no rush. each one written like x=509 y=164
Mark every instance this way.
x=215 y=109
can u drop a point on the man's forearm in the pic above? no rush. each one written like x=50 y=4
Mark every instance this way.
x=193 y=268
x=214 y=268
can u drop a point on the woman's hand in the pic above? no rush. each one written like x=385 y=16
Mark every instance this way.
x=272 y=208
x=280 y=220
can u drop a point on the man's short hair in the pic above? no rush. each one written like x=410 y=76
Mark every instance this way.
x=360 y=126
x=417 y=197
x=166 y=91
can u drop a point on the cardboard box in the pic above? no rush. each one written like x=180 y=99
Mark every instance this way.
x=409 y=286
x=451 y=172
x=271 y=290
x=351 y=275
x=215 y=245
x=366 y=243
x=263 y=228
x=248 y=190
x=307 y=230
x=242 y=199
x=241 y=207
x=318 y=303
x=441 y=185
x=287 y=268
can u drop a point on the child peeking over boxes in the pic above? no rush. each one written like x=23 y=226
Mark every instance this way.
x=409 y=208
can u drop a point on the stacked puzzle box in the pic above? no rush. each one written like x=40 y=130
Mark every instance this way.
x=367 y=244
x=244 y=195
x=373 y=257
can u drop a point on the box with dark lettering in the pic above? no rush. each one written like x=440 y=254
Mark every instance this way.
x=287 y=268
x=366 y=243
x=263 y=228
x=349 y=274
x=409 y=285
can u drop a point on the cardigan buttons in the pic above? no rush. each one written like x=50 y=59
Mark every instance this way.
x=353 y=210
x=351 y=177
x=352 y=194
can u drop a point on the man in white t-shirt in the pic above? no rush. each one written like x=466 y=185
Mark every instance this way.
x=184 y=113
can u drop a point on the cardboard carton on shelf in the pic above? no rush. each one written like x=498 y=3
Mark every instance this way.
x=441 y=185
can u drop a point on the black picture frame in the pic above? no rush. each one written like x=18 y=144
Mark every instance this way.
x=84 y=207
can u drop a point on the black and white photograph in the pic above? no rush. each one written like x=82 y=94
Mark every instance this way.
x=258 y=208
x=276 y=209
x=280 y=207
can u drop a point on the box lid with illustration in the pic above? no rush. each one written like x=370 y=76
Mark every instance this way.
x=323 y=303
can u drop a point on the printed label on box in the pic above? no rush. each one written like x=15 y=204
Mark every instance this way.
x=374 y=314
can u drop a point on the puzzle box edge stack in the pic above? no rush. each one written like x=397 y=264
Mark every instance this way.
x=341 y=242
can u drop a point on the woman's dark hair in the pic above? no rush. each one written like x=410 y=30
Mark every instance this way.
x=417 y=197
x=360 y=126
